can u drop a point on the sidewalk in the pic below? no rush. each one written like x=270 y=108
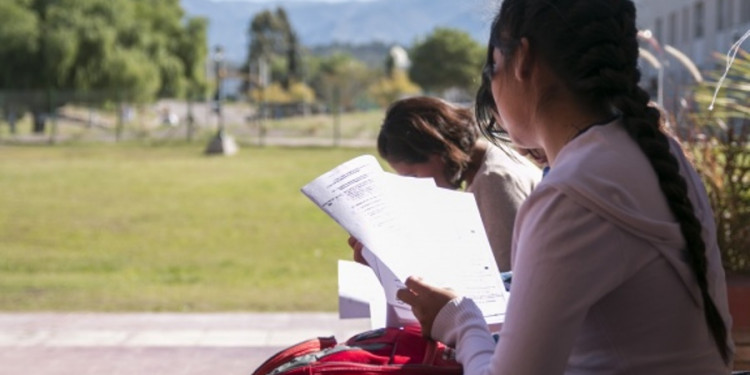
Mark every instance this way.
x=155 y=343
x=170 y=343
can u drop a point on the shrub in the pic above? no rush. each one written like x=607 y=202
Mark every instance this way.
x=718 y=141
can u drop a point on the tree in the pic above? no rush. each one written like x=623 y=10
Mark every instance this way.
x=273 y=39
x=193 y=56
x=447 y=58
x=340 y=79
x=392 y=87
x=138 y=48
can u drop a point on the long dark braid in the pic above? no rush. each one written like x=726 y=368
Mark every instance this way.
x=592 y=46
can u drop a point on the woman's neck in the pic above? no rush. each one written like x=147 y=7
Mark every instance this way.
x=563 y=122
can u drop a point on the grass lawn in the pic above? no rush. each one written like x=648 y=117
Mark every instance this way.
x=127 y=227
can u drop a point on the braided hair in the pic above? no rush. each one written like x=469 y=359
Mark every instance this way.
x=592 y=48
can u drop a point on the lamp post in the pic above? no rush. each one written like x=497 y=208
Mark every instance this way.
x=660 y=61
x=221 y=143
x=649 y=37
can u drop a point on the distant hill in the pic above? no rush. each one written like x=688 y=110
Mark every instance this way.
x=320 y=23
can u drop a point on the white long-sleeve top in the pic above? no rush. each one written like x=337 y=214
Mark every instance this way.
x=600 y=284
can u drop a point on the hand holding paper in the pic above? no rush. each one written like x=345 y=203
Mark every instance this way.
x=410 y=227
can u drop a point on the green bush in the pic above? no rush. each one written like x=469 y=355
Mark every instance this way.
x=718 y=141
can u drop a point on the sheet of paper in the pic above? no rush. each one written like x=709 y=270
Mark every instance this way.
x=360 y=294
x=413 y=228
x=390 y=285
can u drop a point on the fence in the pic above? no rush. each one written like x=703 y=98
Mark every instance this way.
x=69 y=116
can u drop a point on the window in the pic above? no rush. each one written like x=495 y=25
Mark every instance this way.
x=725 y=14
x=699 y=18
x=672 y=25
x=744 y=11
x=657 y=29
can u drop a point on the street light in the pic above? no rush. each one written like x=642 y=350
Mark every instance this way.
x=656 y=61
x=221 y=143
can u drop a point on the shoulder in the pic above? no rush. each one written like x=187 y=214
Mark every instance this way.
x=605 y=171
x=604 y=166
x=505 y=159
x=505 y=169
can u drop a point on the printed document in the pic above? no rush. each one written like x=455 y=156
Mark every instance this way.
x=410 y=226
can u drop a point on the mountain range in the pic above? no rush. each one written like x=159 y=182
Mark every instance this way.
x=319 y=22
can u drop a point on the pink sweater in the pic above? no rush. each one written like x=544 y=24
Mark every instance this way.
x=599 y=281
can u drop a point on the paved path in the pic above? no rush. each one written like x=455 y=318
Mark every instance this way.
x=159 y=343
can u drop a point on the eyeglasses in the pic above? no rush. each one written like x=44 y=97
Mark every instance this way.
x=506 y=48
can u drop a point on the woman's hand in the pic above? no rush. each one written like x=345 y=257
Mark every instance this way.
x=425 y=300
x=357 y=247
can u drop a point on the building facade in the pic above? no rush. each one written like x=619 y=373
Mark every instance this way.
x=700 y=29
x=696 y=27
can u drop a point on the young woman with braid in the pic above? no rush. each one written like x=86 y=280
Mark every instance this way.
x=616 y=269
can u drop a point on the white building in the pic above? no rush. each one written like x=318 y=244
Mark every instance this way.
x=697 y=28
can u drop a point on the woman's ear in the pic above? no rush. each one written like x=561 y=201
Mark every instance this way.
x=524 y=60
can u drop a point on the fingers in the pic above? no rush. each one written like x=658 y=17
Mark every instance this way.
x=407 y=296
x=425 y=301
x=416 y=284
x=414 y=288
x=353 y=242
x=357 y=247
x=410 y=295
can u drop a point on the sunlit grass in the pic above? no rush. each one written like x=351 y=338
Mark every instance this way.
x=141 y=228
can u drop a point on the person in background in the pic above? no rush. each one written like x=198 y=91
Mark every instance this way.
x=430 y=137
x=616 y=268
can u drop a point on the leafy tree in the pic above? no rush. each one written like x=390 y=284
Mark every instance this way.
x=447 y=58
x=371 y=53
x=301 y=93
x=340 y=79
x=193 y=56
x=140 y=48
x=273 y=93
x=273 y=39
x=393 y=87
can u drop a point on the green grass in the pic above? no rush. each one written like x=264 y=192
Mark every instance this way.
x=126 y=227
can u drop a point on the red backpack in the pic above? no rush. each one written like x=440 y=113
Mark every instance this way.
x=398 y=351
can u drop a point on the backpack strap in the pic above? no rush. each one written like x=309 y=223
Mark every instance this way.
x=298 y=350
